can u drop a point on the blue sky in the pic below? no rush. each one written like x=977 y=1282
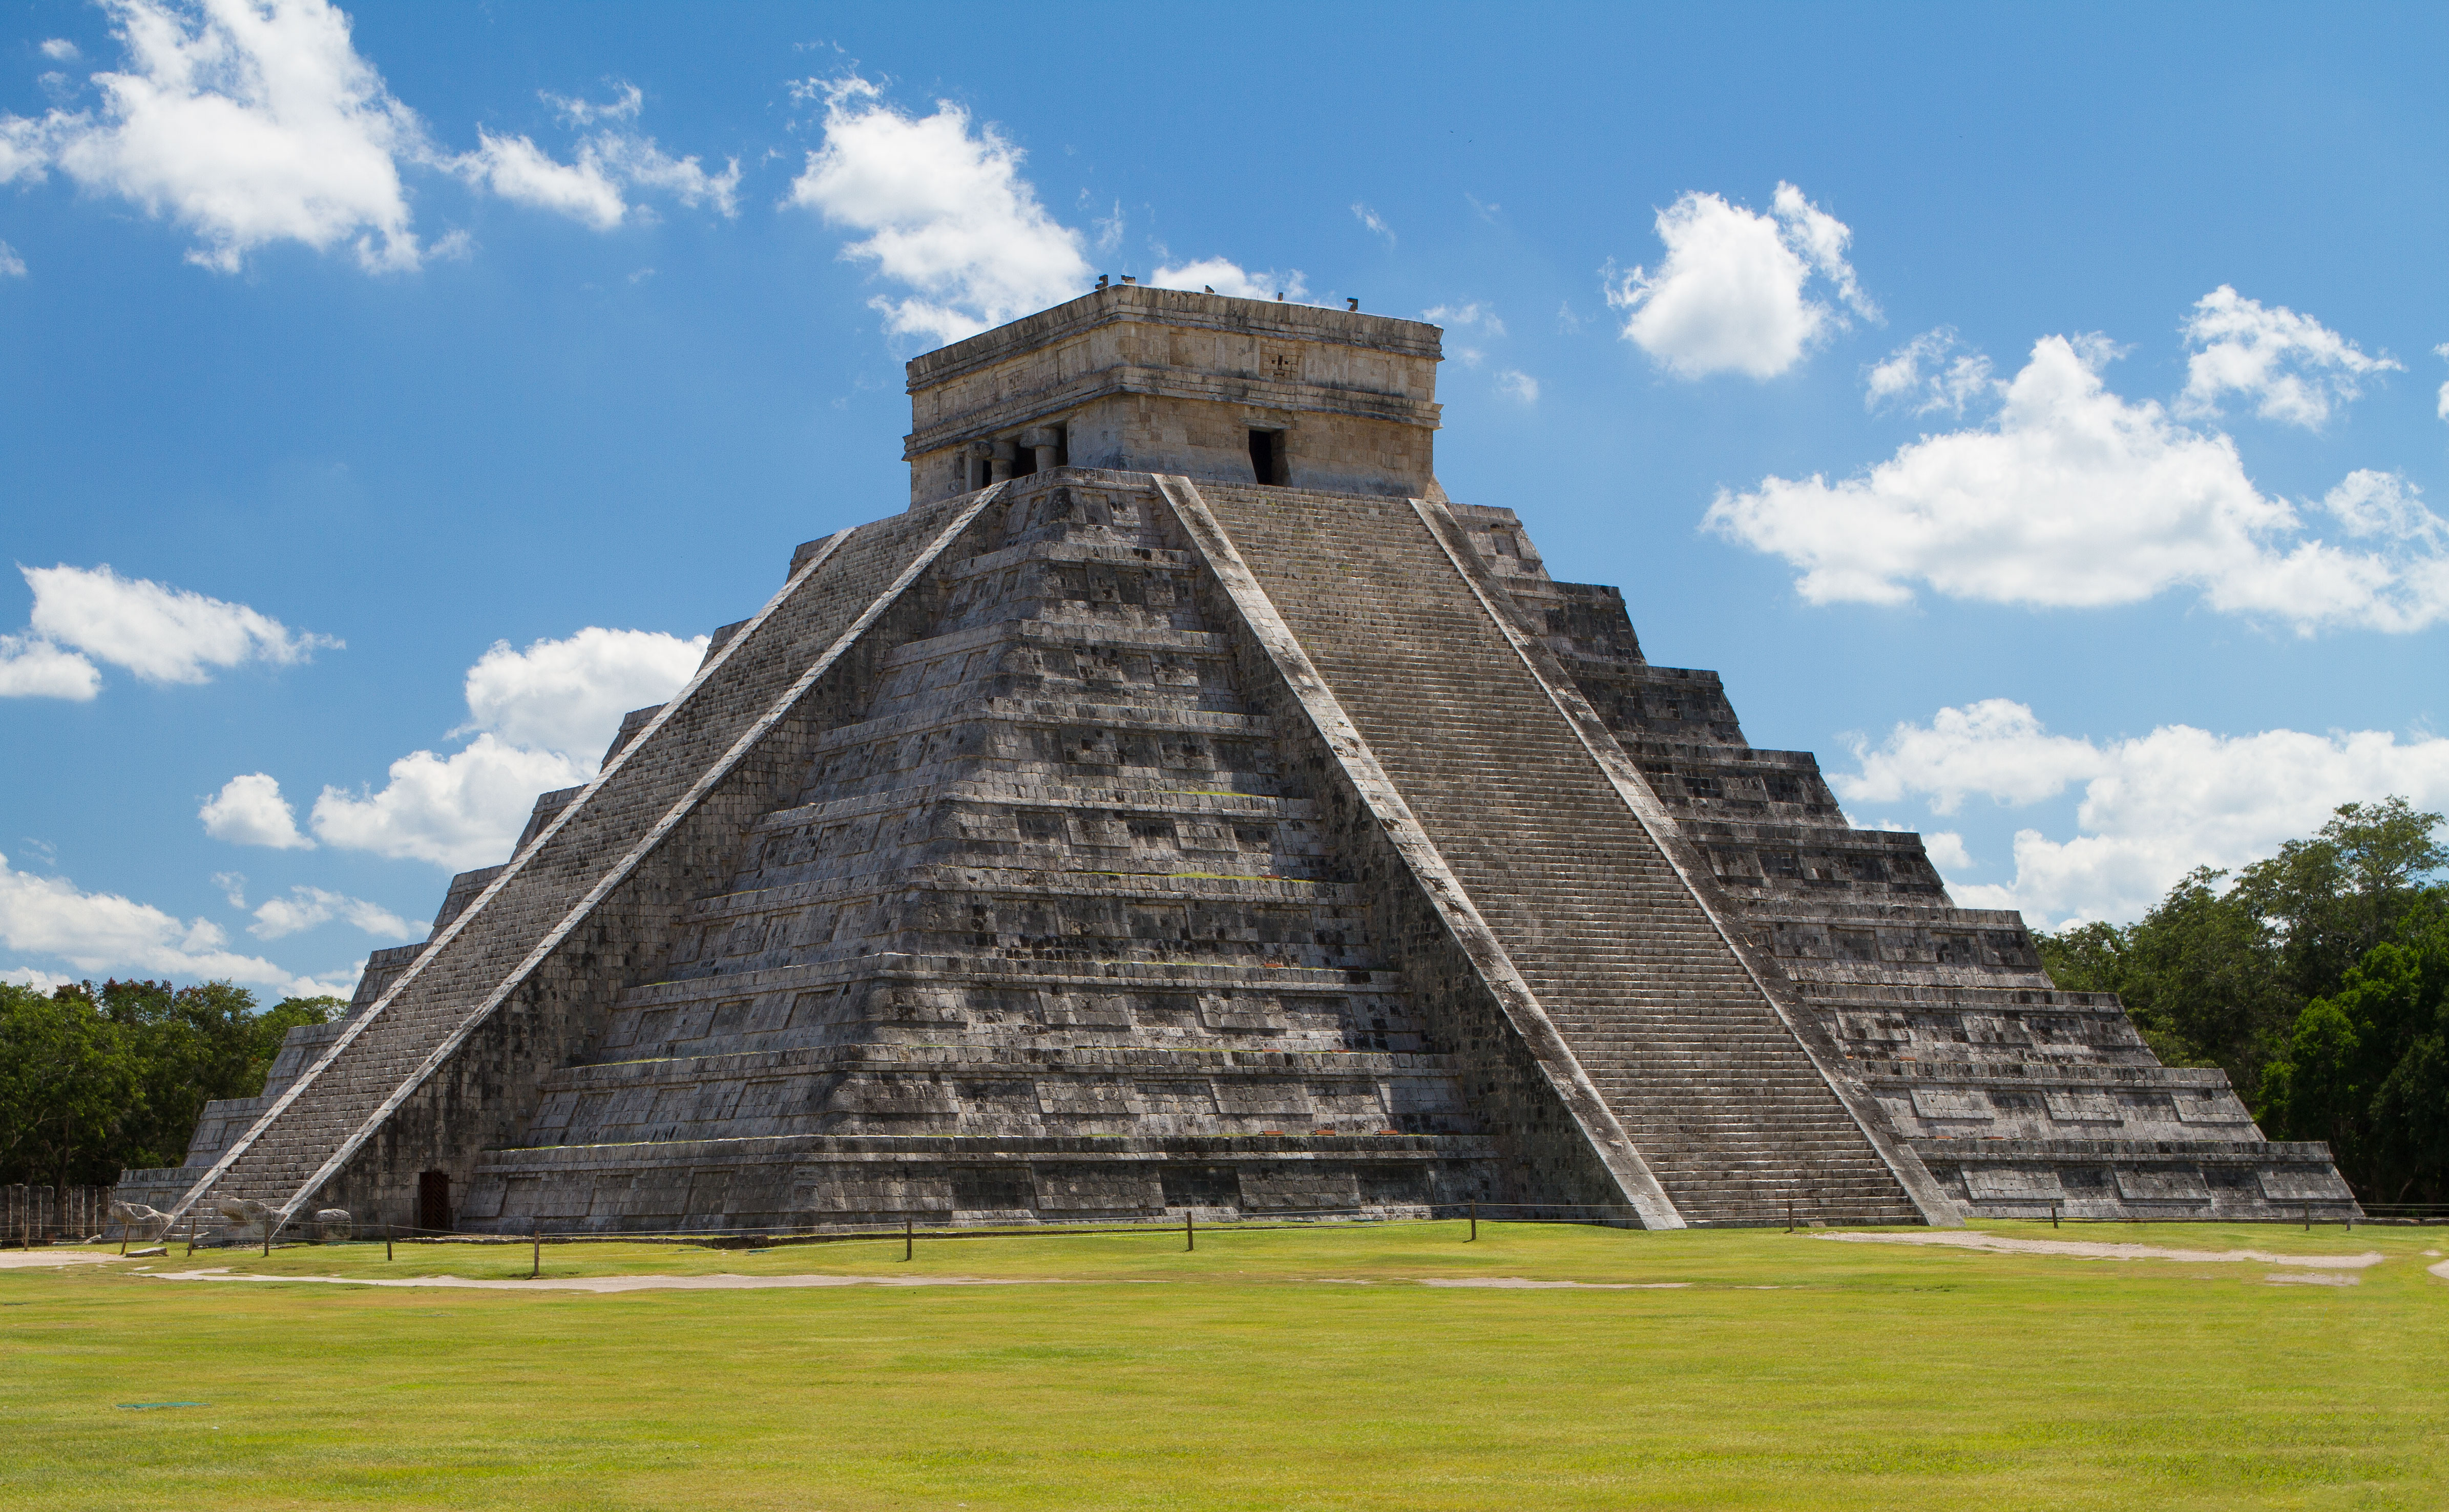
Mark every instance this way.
x=2034 y=411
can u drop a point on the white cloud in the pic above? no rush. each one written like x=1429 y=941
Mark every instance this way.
x=245 y=122
x=11 y=265
x=1931 y=371
x=523 y=173
x=60 y=49
x=2291 y=366
x=2154 y=807
x=31 y=667
x=1518 y=383
x=461 y=811
x=1729 y=298
x=1110 y=226
x=940 y=209
x=626 y=100
x=250 y=811
x=1471 y=315
x=161 y=634
x=2072 y=497
x=1374 y=221
x=305 y=908
x=2443 y=408
x=543 y=718
x=106 y=932
x=591 y=189
x=569 y=696
x=2383 y=504
x=1224 y=276
x=1946 y=851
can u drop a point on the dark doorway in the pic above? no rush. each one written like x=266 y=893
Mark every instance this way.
x=1267 y=458
x=433 y=1200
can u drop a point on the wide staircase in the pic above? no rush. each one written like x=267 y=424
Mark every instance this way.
x=1048 y=922
x=1721 y=1099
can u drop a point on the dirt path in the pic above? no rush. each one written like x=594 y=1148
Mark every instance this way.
x=621 y=1283
x=28 y=1259
x=2091 y=1250
x=1515 y=1283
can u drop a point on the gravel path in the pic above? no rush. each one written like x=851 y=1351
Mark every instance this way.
x=28 y=1259
x=2090 y=1250
x=621 y=1283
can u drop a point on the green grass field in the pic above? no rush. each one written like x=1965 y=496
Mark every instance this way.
x=1272 y=1368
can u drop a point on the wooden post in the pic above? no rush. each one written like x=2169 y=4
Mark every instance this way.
x=386 y=1241
x=267 y=1236
x=1475 y=1221
x=1189 y=1233
x=1789 y=1214
x=535 y=1270
x=2054 y=1215
x=909 y=1236
x=191 y=1235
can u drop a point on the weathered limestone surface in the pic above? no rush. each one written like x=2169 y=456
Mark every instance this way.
x=1184 y=807
x=2016 y=1096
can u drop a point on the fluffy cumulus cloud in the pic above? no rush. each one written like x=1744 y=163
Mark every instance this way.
x=1223 y=275
x=2153 y=806
x=305 y=908
x=2289 y=367
x=255 y=122
x=1737 y=290
x=31 y=667
x=592 y=188
x=98 y=932
x=11 y=265
x=2072 y=497
x=939 y=206
x=249 y=809
x=541 y=718
x=245 y=122
x=163 y=635
x=570 y=695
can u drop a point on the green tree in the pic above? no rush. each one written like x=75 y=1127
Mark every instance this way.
x=2365 y=1068
x=2329 y=900
x=67 y=1080
x=2222 y=974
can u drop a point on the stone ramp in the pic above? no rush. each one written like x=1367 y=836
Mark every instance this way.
x=585 y=908
x=1722 y=1102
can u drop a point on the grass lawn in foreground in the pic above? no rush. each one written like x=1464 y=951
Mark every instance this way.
x=1275 y=1369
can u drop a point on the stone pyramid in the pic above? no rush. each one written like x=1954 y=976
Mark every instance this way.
x=1184 y=806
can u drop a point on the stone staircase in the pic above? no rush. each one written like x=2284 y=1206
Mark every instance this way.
x=1715 y=1090
x=2019 y=1099
x=1046 y=931
x=592 y=882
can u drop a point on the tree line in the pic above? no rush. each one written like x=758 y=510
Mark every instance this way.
x=94 y=1080
x=2318 y=980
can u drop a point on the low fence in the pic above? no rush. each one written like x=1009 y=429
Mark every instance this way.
x=45 y=1214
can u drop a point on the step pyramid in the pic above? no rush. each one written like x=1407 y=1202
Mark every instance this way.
x=1184 y=807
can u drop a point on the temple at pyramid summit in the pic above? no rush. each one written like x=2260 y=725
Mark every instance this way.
x=1183 y=807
